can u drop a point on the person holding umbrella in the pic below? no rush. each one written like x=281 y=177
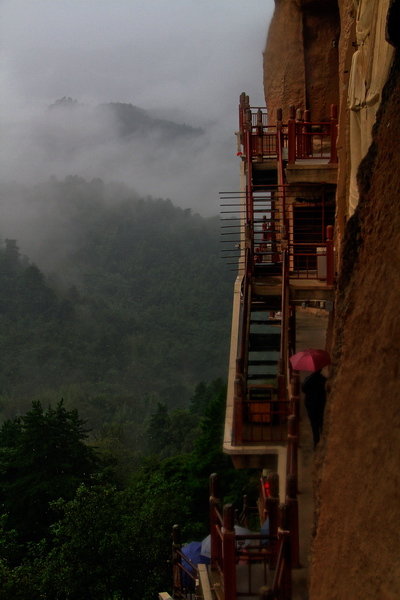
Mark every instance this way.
x=313 y=386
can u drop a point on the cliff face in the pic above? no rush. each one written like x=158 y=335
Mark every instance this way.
x=355 y=549
x=356 y=546
x=301 y=57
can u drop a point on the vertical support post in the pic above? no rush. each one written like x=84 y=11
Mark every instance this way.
x=249 y=194
x=293 y=509
x=229 y=553
x=330 y=259
x=238 y=411
x=307 y=137
x=299 y=134
x=292 y=330
x=286 y=584
x=272 y=509
x=292 y=467
x=279 y=117
x=214 y=501
x=334 y=122
x=176 y=561
x=259 y=135
x=292 y=136
x=242 y=104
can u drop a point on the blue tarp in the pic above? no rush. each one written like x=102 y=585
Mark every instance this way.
x=193 y=552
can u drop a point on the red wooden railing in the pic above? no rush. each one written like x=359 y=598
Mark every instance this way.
x=229 y=549
x=277 y=550
x=303 y=138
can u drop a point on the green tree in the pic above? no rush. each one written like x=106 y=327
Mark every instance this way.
x=43 y=457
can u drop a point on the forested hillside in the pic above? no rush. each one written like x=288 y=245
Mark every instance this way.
x=121 y=303
x=76 y=523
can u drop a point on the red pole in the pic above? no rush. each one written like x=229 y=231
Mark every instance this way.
x=176 y=561
x=214 y=501
x=299 y=134
x=307 y=134
x=292 y=446
x=287 y=554
x=293 y=507
x=238 y=412
x=292 y=136
x=259 y=129
x=229 y=553
x=330 y=259
x=334 y=122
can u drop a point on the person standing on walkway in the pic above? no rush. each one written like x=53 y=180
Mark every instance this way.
x=314 y=400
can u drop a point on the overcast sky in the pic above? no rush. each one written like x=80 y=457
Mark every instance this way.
x=185 y=58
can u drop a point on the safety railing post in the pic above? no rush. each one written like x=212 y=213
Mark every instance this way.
x=293 y=509
x=292 y=467
x=330 y=259
x=176 y=561
x=307 y=137
x=259 y=129
x=272 y=509
x=284 y=531
x=299 y=134
x=333 y=127
x=279 y=132
x=238 y=411
x=229 y=553
x=214 y=521
x=292 y=136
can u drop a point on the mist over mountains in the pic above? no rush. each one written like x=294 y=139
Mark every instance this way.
x=119 y=142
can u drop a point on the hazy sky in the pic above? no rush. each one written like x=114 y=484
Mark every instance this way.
x=187 y=59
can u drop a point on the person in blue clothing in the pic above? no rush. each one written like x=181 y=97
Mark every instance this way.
x=314 y=400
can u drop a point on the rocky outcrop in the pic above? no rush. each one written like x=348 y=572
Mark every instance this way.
x=301 y=57
x=356 y=545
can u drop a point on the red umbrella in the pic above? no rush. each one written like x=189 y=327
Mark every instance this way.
x=311 y=359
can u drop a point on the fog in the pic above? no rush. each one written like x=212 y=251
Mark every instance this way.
x=182 y=60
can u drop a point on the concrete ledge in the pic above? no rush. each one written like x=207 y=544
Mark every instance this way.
x=311 y=172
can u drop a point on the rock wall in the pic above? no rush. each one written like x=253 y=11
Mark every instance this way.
x=355 y=551
x=301 y=57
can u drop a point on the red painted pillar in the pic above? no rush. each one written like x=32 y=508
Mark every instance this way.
x=330 y=259
x=214 y=521
x=292 y=446
x=229 y=553
x=307 y=138
x=260 y=136
x=293 y=508
x=238 y=411
x=176 y=561
x=334 y=122
x=286 y=589
x=292 y=136
x=299 y=134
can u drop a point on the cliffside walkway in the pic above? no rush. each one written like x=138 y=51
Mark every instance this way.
x=280 y=224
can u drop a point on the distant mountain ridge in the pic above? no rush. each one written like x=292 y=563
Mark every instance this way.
x=132 y=120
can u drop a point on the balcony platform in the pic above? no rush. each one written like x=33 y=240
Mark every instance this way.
x=304 y=290
x=311 y=171
x=267 y=286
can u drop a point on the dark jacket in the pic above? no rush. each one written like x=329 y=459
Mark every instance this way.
x=314 y=391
